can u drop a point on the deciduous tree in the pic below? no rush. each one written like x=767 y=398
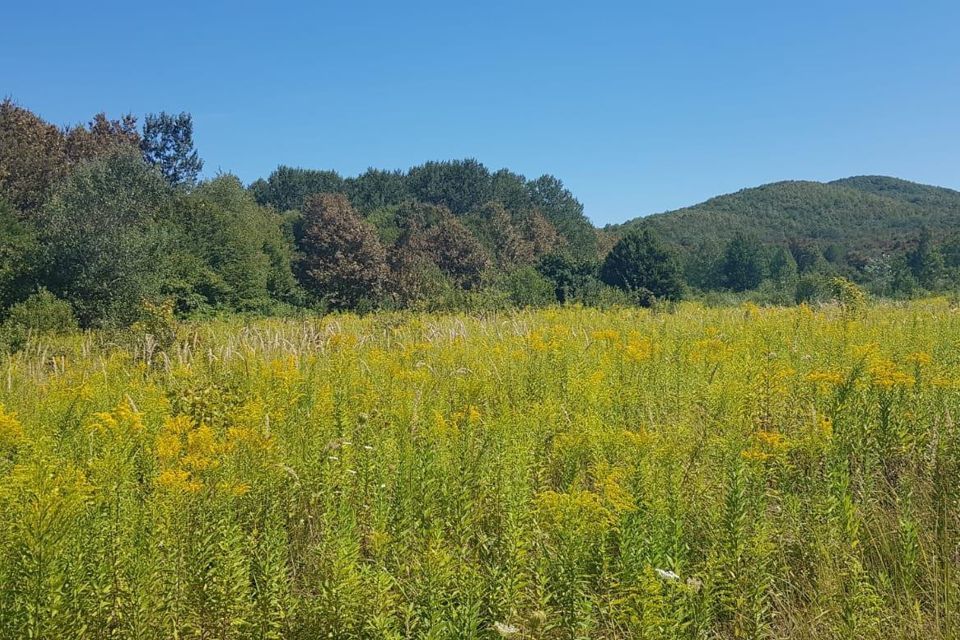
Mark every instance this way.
x=343 y=261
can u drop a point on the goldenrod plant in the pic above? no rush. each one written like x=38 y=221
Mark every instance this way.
x=687 y=472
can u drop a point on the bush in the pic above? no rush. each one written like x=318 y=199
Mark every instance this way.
x=157 y=324
x=527 y=288
x=813 y=288
x=42 y=314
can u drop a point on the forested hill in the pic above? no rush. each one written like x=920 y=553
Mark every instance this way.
x=866 y=213
x=108 y=223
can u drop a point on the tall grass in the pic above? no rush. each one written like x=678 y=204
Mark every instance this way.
x=567 y=473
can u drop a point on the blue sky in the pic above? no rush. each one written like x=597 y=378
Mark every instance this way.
x=638 y=107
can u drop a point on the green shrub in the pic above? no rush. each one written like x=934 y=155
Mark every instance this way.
x=41 y=314
x=527 y=288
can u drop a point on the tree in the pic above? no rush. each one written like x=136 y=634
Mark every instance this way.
x=639 y=261
x=700 y=265
x=104 y=239
x=925 y=262
x=743 y=266
x=553 y=200
x=568 y=275
x=432 y=233
x=375 y=189
x=458 y=185
x=806 y=254
x=18 y=256
x=239 y=257
x=289 y=188
x=167 y=143
x=510 y=190
x=36 y=156
x=782 y=266
x=32 y=158
x=495 y=227
x=456 y=252
x=343 y=262
x=101 y=137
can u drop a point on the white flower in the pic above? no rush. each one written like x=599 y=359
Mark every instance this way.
x=667 y=575
x=505 y=630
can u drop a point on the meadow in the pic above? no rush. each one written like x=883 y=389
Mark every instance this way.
x=564 y=473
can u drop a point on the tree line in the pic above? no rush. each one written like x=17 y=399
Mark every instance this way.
x=99 y=220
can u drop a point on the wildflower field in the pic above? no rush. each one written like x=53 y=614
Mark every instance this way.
x=565 y=473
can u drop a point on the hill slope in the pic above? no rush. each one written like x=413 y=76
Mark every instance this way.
x=865 y=212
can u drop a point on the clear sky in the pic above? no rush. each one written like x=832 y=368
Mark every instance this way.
x=638 y=106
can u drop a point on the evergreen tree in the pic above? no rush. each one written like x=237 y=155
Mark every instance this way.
x=782 y=267
x=638 y=262
x=167 y=144
x=743 y=266
x=925 y=262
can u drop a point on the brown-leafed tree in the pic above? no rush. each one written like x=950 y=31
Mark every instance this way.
x=505 y=241
x=35 y=156
x=431 y=232
x=457 y=252
x=102 y=137
x=540 y=233
x=32 y=158
x=343 y=261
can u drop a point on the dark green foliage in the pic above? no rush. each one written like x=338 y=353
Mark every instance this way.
x=18 y=255
x=782 y=267
x=700 y=265
x=570 y=277
x=868 y=214
x=288 y=188
x=458 y=185
x=812 y=288
x=806 y=254
x=375 y=189
x=640 y=262
x=565 y=212
x=105 y=241
x=925 y=262
x=167 y=144
x=743 y=265
x=510 y=190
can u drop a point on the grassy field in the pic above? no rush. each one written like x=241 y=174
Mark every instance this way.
x=567 y=473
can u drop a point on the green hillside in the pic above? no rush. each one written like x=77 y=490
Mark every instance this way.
x=867 y=213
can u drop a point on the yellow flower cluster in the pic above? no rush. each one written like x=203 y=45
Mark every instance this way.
x=124 y=420
x=885 y=374
x=825 y=379
x=11 y=431
x=766 y=445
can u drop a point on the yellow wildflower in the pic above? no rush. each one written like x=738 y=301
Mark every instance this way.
x=11 y=432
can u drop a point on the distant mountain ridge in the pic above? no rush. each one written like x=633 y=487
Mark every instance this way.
x=866 y=213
